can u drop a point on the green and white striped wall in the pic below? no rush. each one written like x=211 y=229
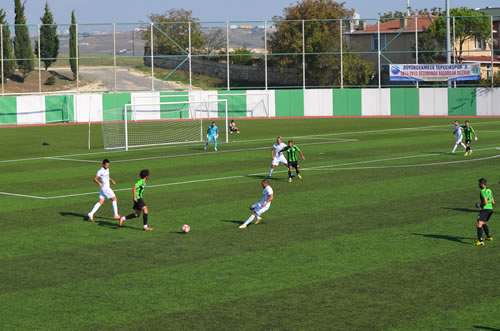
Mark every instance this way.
x=41 y=109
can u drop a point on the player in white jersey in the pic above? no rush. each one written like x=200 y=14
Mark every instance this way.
x=277 y=156
x=458 y=136
x=105 y=191
x=262 y=206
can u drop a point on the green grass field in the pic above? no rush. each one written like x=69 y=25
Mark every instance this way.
x=377 y=235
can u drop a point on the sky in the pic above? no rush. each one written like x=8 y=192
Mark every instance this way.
x=104 y=11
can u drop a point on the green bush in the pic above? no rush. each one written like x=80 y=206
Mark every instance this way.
x=51 y=80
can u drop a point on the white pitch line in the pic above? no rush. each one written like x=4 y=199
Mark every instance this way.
x=407 y=165
x=23 y=195
x=317 y=168
x=444 y=130
x=391 y=159
x=243 y=141
x=75 y=160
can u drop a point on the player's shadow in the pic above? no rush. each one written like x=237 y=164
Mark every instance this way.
x=485 y=328
x=441 y=153
x=445 y=237
x=265 y=177
x=98 y=220
x=233 y=221
x=84 y=217
x=257 y=176
x=465 y=210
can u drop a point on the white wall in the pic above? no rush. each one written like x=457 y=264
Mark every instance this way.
x=151 y=106
x=433 y=101
x=201 y=108
x=259 y=103
x=488 y=102
x=31 y=109
x=318 y=102
x=376 y=102
x=88 y=107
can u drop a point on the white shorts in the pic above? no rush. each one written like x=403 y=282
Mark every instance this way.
x=279 y=159
x=106 y=193
x=259 y=210
x=459 y=140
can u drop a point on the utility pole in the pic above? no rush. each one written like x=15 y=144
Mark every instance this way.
x=408 y=8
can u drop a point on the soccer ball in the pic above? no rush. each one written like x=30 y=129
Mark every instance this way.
x=186 y=228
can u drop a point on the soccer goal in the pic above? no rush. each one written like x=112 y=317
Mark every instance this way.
x=162 y=123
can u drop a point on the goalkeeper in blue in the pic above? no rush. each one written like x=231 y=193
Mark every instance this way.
x=212 y=134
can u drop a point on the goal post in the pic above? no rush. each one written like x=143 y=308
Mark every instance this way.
x=162 y=123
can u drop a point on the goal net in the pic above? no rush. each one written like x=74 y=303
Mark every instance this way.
x=152 y=124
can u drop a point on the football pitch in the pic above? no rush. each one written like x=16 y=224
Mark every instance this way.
x=377 y=235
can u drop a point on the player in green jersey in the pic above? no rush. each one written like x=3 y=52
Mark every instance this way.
x=139 y=204
x=292 y=150
x=468 y=132
x=486 y=206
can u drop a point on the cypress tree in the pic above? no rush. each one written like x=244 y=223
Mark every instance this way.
x=22 y=42
x=9 y=64
x=49 y=41
x=72 y=44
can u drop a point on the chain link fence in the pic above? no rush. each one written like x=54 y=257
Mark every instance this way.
x=232 y=55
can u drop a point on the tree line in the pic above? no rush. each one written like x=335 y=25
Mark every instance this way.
x=18 y=52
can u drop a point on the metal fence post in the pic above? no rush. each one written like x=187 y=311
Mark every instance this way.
x=190 y=58
x=454 y=50
x=151 y=48
x=303 y=56
x=114 y=56
x=341 y=57
x=77 y=60
x=1 y=58
x=39 y=61
x=454 y=45
x=227 y=55
x=491 y=51
x=416 y=42
x=378 y=61
x=265 y=53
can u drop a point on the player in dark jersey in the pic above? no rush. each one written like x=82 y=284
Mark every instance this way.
x=292 y=150
x=468 y=132
x=486 y=205
x=139 y=204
